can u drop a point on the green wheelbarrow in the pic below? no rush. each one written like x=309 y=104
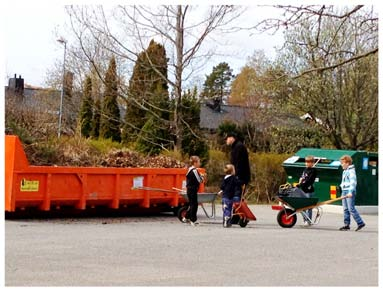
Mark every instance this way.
x=289 y=207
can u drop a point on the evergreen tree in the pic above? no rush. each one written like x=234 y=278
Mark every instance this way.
x=217 y=84
x=96 y=119
x=86 y=113
x=110 y=113
x=148 y=101
x=193 y=142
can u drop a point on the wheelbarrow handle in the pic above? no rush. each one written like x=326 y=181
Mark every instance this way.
x=334 y=200
x=324 y=203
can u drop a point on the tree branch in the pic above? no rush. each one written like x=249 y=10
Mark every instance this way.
x=326 y=68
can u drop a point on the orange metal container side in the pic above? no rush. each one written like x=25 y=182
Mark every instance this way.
x=81 y=187
x=15 y=160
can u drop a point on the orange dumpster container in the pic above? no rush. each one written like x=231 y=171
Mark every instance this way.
x=46 y=187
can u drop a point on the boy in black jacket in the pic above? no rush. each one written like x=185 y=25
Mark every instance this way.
x=193 y=180
x=231 y=191
x=306 y=183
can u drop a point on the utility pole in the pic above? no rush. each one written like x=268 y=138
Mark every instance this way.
x=62 y=41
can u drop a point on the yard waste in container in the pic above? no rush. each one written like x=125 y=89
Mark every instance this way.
x=50 y=187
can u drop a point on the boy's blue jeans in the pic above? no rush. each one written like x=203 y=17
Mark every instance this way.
x=227 y=207
x=309 y=212
x=349 y=208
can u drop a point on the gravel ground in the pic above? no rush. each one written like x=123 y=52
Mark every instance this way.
x=161 y=251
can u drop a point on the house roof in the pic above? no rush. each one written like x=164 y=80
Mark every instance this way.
x=211 y=118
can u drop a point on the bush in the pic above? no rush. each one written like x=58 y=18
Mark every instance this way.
x=267 y=174
x=104 y=145
x=214 y=170
x=290 y=140
x=42 y=153
x=29 y=124
x=192 y=146
x=66 y=151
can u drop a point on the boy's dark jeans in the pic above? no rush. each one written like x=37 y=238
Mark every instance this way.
x=193 y=204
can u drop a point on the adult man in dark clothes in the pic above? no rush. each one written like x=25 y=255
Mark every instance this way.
x=239 y=158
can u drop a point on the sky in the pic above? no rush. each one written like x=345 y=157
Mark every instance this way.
x=30 y=47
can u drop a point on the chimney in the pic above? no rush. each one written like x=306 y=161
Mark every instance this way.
x=16 y=85
x=217 y=105
x=19 y=85
x=12 y=84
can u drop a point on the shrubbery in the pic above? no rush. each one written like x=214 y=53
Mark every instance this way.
x=266 y=171
x=267 y=175
x=214 y=170
x=66 y=151
x=290 y=140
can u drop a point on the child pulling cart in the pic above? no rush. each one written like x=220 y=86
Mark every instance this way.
x=241 y=211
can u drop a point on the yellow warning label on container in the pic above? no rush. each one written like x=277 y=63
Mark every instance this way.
x=30 y=186
x=332 y=192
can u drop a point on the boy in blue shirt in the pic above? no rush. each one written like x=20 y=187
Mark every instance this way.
x=348 y=186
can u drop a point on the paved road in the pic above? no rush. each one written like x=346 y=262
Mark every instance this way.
x=161 y=251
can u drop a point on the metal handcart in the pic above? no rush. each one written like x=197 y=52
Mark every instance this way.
x=202 y=198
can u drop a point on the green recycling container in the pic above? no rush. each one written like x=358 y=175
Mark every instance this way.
x=329 y=173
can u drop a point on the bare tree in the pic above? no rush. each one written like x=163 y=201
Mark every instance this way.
x=128 y=29
x=32 y=118
x=314 y=18
x=331 y=54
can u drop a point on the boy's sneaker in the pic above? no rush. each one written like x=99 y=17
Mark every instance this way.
x=306 y=223
x=226 y=222
x=184 y=220
x=360 y=226
x=346 y=227
x=195 y=223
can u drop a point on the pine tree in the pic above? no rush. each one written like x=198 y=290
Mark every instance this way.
x=193 y=142
x=217 y=84
x=96 y=119
x=86 y=113
x=148 y=101
x=110 y=113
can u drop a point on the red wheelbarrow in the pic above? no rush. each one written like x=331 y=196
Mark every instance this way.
x=242 y=213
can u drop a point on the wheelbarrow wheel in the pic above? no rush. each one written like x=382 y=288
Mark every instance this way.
x=182 y=212
x=234 y=219
x=284 y=220
x=243 y=222
x=175 y=210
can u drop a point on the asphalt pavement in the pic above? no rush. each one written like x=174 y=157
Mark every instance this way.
x=161 y=251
